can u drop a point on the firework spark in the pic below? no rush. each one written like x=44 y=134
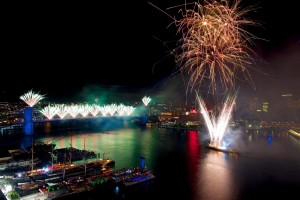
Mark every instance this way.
x=146 y=100
x=49 y=111
x=217 y=125
x=31 y=98
x=129 y=110
x=74 y=110
x=213 y=44
x=94 y=109
x=121 y=109
x=62 y=110
x=84 y=110
x=112 y=109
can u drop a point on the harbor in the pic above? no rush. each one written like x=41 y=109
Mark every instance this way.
x=78 y=180
x=67 y=178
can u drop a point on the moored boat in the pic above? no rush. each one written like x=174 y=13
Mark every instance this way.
x=139 y=178
x=131 y=176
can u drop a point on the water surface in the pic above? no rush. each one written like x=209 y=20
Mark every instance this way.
x=268 y=165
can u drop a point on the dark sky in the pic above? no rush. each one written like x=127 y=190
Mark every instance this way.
x=59 y=49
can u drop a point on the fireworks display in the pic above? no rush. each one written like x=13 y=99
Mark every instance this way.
x=217 y=125
x=129 y=110
x=49 y=111
x=214 y=51
x=120 y=109
x=62 y=110
x=94 y=109
x=104 y=110
x=74 y=110
x=146 y=100
x=83 y=110
x=112 y=108
x=214 y=47
x=31 y=98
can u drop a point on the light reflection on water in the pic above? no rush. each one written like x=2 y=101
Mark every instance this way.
x=186 y=169
x=215 y=173
x=122 y=145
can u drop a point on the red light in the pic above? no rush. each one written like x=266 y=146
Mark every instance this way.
x=194 y=111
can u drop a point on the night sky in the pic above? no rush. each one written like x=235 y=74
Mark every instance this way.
x=61 y=49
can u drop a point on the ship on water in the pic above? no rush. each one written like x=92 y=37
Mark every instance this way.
x=139 y=177
x=132 y=176
x=221 y=149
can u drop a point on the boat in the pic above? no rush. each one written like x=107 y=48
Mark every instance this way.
x=140 y=177
x=57 y=171
x=224 y=150
x=131 y=176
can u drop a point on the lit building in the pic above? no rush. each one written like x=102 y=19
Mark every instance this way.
x=265 y=106
x=165 y=116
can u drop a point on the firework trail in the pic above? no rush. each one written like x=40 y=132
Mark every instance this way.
x=217 y=125
x=31 y=98
x=213 y=48
x=214 y=51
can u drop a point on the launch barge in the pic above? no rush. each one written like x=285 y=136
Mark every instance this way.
x=221 y=149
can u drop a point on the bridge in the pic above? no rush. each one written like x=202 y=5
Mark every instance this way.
x=62 y=111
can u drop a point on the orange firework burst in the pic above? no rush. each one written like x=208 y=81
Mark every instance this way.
x=214 y=45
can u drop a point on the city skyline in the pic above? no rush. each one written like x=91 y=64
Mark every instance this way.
x=50 y=47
